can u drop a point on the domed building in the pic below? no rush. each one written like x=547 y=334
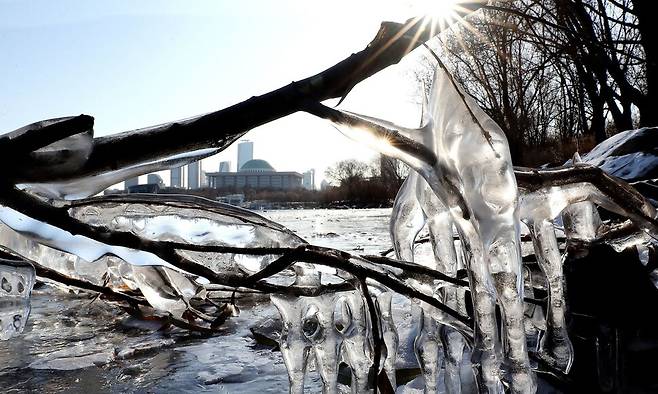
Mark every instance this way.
x=255 y=174
x=257 y=165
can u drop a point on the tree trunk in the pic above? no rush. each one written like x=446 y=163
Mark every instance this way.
x=648 y=37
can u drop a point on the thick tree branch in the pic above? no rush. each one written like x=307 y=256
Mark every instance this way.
x=219 y=129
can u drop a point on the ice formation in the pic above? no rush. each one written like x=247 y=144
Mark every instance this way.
x=415 y=206
x=462 y=180
x=464 y=158
x=78 y=188
x=16 y=282
x=175 y=218
x=334 y=328
x=581 y=220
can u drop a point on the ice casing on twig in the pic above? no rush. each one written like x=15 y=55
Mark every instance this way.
x=181 y=219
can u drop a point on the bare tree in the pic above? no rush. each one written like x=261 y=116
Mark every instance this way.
x=347 y=172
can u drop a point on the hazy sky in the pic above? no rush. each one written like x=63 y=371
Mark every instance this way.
x=133 y=64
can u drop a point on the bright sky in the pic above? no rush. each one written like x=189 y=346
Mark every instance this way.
x=134 y=64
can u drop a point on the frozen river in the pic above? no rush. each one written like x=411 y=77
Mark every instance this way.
x=74 y=344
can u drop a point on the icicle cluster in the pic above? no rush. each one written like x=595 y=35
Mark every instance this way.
x=462 y=175
x=331 y=329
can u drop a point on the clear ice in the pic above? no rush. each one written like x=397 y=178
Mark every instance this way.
x=416 y=205
x=465 y=160
x=331 y=329
x=581 y=220
x=462 y=180
x=16 y=281
x=177 y=218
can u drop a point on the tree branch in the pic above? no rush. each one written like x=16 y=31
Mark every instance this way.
x=219 y=129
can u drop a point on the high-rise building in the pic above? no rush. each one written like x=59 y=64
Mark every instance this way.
x=204 y=179
x=308 y=182
x=225 y=166
x=176 y=179
x=245 y=152
x=154 y=179
x=194 y=175
x=131 y=182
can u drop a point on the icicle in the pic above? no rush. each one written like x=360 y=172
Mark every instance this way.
x=407 y=219
x=416 y=204
x=555 y=345
x=534 y=317
x=357 y=347
x=309 y=330
x=295 y=347
x=427 y=347
x=383 y=299
x=581 y=220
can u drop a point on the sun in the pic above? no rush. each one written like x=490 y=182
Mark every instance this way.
x=436 y=9
x=438 y=15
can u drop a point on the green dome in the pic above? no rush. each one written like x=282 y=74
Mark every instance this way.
x=257 y=165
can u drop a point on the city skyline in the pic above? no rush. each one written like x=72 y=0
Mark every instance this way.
x=141 y=64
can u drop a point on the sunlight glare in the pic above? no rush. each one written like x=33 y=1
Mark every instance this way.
x=436 y=9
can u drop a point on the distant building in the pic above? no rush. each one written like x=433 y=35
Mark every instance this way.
x=204 y=179
x=324 y=185
x=194 y=175
x=245 y=153
x=255 y=174
x=233 y=199
x=225 y=166
x=155 y=179
x=131 y=182
x=308 y=182
x=147 y=188
x=176 y=179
